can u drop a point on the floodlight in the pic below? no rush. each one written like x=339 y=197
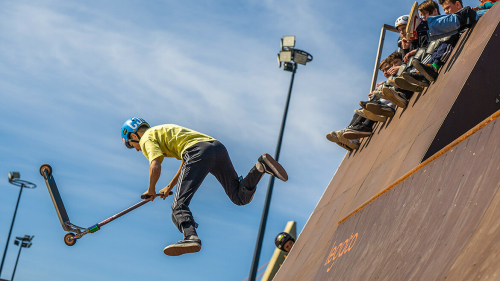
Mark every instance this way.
x=288 y=41
x=288 y=66
x=25 y=238
x=14 y=175
x=279 y=62
x=285 y=56
x=24 y=241
x=300 y=58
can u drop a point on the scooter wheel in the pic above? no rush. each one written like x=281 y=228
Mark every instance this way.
x=47 y=168
x=67 y=239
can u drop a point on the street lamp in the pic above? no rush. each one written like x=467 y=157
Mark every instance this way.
x=289 y=56
x=14 y=178
x=22 y=242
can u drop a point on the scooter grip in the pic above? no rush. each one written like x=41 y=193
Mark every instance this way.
x=159 y=194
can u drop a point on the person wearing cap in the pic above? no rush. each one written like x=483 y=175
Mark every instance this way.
x=400 y=94
x=200 y=154
x=284 y=241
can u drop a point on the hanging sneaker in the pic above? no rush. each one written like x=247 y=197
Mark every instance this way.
x=332 y=136
x=369 y=115
x=395 y=96
x=381 y=109
x=379 y=94
x=363 y=104
x=414 y=21
x=352 y=144
x=356 y=132
x=390 y=81
x=403 y=84
x=428 y=71
x=416 y=78
x=191 y=244
x=271 y=166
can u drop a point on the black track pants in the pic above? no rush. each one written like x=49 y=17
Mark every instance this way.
x=201 y=159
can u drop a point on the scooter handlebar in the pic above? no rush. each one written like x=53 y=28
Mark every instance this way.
x=159 y=194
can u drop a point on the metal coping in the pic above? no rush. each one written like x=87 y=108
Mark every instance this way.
x=429 y=160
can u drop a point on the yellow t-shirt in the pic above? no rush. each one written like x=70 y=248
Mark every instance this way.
x=169 y=140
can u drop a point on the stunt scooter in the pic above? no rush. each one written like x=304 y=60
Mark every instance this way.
x=76 y=232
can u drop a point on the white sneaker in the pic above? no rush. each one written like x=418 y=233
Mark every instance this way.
x=394 y=96
x=391 y=81
x=379 y=93
x=368 y=115
x=333 y=137
x=352 y=144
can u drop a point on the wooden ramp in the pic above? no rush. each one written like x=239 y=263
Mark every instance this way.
x=441 y=222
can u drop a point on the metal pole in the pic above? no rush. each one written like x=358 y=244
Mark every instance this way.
x=262 y=228
x=377 y=59
x=18 y=254
x=379 y=53
x=10 y=231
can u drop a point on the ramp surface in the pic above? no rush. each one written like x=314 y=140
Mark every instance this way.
x=422 y=227
x=432 y=239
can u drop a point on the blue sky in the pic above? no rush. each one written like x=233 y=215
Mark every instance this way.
x=72 y=72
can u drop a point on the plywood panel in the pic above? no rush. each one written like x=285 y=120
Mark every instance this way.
x=395 y=148
x=420 y=228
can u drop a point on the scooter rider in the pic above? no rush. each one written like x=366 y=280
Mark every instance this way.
x=200 y=154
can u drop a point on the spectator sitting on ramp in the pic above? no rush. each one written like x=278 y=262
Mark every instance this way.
x=444 y=25
x=429 y=8
x=456 y=20
x=451 y=6
x=284 y=241
x=435 y=54
x=200 y=155
x=392 y=91
x=378 y=104
x=363 y=120
x=485 y=5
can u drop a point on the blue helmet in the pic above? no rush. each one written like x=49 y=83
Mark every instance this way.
x=131 y=126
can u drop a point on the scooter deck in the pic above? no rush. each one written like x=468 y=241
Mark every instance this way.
x=56 y=198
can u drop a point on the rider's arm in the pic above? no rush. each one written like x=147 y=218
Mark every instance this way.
x=166 y=190
x=154 y=173
x=176 y=177
x=174 y=180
